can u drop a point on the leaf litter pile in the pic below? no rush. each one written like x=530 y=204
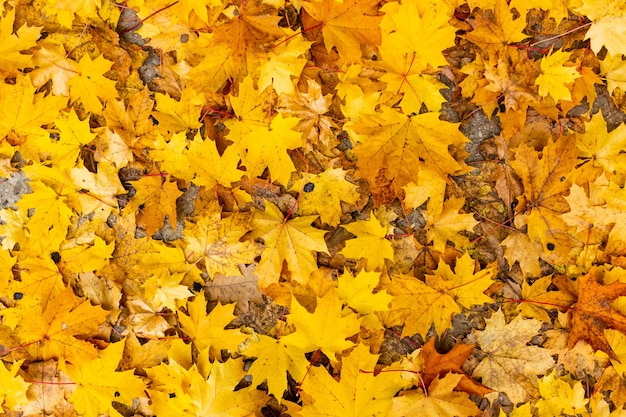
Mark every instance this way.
x=313 y=208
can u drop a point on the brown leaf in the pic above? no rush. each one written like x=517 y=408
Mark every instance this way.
x=438 y=365
x=239 y=289
x=593 y=313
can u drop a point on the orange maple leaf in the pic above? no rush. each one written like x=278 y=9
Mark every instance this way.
x=437 y=365
x=545 y=184
x=346 y=25
x=392 y=145
x=158 y=194
x=593 y=312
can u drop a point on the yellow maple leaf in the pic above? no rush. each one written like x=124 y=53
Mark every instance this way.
x=561 y=395
x=510 y=364
x=197 y=160
x=56 y=326
x=97 y=192
x=608 y=18
x=53 y=65
x=371 y=243
x=266 y=147
x=90 y=85
x=293 y=241
x=519 y=248
x=413 y=38
x=13 y=387
x=208 y=330
x=614 y=69
x=98 y=383
x=495 y=29
x=358 y=391
x=178 y=115
x=537 y=299
x=601 y=148
x=323 y=193
x=284 y=65
x=327 y=328
x=357 y=292
x=131 y=121
x=440 y=401
x=545 y=183
x=47 y=227
x=24 y=112
x=13 y=42
x=73 y=135
x=346 y=25
x=82 y=80
x=445 y=225
x=158 y=196
x=274 y=358
x=392 y=144
x=85 y=257
x=310 y=108
x=164 y=290
x=555 y=76
x=191 y=392
x=442 y=295
x=234 y=46
x=216 y=241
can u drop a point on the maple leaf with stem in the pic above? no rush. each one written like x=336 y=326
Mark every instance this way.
x=536 y=298
x=293 y=241
x=13 y=42
x=601 y=148
x=216 y=241
x=326 y=329
x=266 y=147
x=593 y=313
x=346 y=26
x=441 y=296
x=358 y=391
x=98 y=383
x=545 y=184
x=371 y=243
x=51 y=332
x=440 y=401
x=607 y=17
x=510 y=365
x=274 y=358
x=209 y=331
x=392 y=144
x=437 y=365
x=413 y=37
x=24 y=112
x=330 y=188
